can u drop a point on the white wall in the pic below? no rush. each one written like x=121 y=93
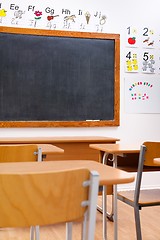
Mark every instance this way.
x=134 y=128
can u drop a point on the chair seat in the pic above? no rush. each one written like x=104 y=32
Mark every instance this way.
x=148 y=197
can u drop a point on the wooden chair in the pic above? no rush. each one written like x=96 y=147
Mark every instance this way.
x=139 y=197
x=22 y=153
x=50 y=197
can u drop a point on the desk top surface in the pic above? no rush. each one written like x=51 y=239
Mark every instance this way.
x=61 y=139
x=108 y=175
x=116 y=148
x=48 y=149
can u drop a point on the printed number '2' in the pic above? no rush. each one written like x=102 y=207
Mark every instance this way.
x=145 y=32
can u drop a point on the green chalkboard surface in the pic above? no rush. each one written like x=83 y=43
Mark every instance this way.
x=56 y=78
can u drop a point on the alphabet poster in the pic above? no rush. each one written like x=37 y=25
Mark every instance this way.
x=49 y=15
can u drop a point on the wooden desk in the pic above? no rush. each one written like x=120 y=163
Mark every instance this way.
x=115 y=150
x=75 y=148
x=108 y=175
x=49 y=149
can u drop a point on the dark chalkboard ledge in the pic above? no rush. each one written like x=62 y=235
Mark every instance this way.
x=43 y=124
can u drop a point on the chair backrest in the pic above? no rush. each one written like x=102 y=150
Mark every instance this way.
x=20 y=153
x=152 y=151
x=148 y=151
x=31 y=199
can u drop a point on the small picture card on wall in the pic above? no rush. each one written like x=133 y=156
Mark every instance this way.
x=131 y=60
x=158 y=64
x=131 y=38
x=148 y=38
x=148 y=61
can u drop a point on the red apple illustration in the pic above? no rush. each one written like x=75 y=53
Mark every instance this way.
x=132 y=40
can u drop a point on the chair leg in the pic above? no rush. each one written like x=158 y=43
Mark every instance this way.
x=32 y=231
x=137 y=223
x=37 y=232
x=69 y=231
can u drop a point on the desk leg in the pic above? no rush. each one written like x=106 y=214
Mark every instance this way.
x=99 y=208
x=104 y=203
x=104 y=208
x=115 y=202
x=115 y=212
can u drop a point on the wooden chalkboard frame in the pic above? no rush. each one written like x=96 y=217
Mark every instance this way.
x=94 y=123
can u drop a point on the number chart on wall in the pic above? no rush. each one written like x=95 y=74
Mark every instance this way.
x=142 y=70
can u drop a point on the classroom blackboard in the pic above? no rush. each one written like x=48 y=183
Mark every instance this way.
x=58 y=78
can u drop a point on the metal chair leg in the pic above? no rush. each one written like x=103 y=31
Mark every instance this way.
x=32 y=232
x=137 y=222
x=37 y=232
x=69 y=231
